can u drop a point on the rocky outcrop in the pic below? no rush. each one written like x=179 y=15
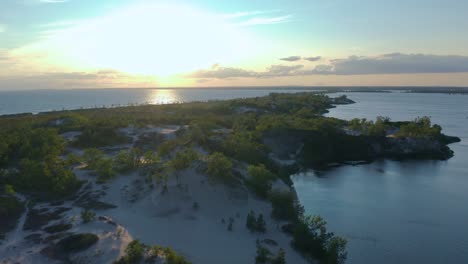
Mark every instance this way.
x=315 y=148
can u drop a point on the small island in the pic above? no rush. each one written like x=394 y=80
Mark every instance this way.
x=201 y=182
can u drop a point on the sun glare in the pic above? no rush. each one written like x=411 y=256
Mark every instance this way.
x=153 y=39
x=163 y=96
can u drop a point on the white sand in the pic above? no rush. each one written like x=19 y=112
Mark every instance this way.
x=167 y=219
x=170 y=220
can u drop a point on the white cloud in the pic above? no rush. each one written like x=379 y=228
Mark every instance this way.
x=3 y=28
x=266 y=20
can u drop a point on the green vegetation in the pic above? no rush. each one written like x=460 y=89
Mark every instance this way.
x=77 y=242
x=100 y=136
x=88 y=216
x=260 y=179
x=284 y=206
x=219 y=167
x=370 y=128
x=10 y=210
x=280 y=258
x=255 y=224
x=133 y=253
x=311 y=238
x=263 y=254
x=420 y=127
x=128 y=160
x=137 y=252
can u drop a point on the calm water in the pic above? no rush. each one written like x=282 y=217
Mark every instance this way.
x=391 y=212
x=13 y=102
x=398 y=212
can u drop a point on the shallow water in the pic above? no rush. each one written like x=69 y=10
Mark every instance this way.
x=398 y=212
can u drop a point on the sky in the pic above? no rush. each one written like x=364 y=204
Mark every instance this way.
x=62 y=44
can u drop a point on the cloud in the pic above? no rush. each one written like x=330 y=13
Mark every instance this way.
x=218 y=72
x=96 y=79
x=316 y=58
x=265 y=20
x=280 y=70
x=394 y=63
x=398 y=63
x=245 y=14
x=291 y=58
x=298 y=58
x=3 y=28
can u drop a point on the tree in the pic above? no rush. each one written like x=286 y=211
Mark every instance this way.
x=151 y=158
x=133 y=253
x=260 y=179
x=262 y=254
x=105 y=169
x=250 y=221
x=91 y=157
x=260 y=224
x=280 y=258
x=219 y=166
x=284 y=206
x=336 y=250
x=87 y=216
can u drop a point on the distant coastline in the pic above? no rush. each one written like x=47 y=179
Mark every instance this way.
x=49 y=100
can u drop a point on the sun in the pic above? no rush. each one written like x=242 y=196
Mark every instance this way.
x=153 y=39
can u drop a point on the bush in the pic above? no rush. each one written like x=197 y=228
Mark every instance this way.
x=255 y=224
x=263 y=254
x=284 y=205
x=91 y=157
x=219 y=166
x=99 y=136
x=311 y=237
x=260 y=179
x=126 y=160
x=280 y=258
x=87 y=216
x=77 y=242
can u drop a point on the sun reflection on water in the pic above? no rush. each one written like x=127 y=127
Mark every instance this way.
x=163 y=96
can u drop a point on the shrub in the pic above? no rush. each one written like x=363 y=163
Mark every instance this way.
x=100 y=136
x=88 y=216
x=280 y=258
x=263 y=254
x=219 y=166
x=133 y=253
x=260 y=179
x=284 y=205
x=255 y=224
x=311 y=237
x=77 y=242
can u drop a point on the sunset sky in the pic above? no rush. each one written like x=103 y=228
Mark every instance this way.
x=142 y=43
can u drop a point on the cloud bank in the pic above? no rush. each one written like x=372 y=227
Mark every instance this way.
x=394 y=63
